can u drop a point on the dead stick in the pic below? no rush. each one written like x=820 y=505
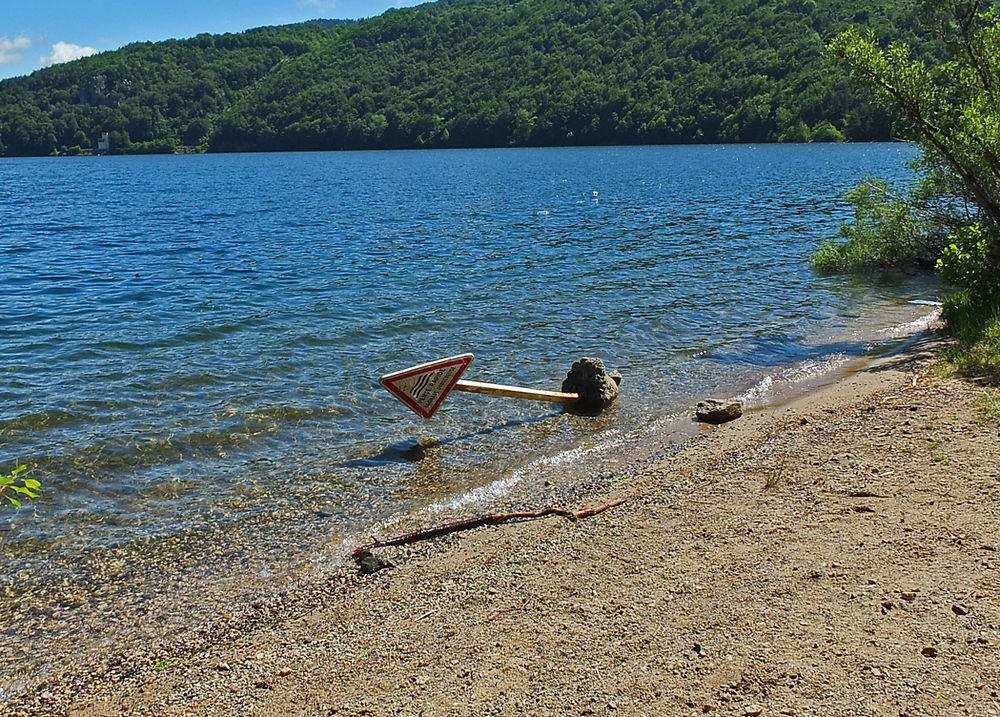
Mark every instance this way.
x=479 y=521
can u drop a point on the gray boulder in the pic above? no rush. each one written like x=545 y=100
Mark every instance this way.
x=715 y=411
x=597 y=388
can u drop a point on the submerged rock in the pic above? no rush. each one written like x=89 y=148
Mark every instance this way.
x=597 y=388
x=715 y=411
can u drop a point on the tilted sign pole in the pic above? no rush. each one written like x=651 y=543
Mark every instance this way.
x=423 y=388
x=496 y=389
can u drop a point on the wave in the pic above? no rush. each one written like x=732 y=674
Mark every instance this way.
x=39 y=420
x=235 y=437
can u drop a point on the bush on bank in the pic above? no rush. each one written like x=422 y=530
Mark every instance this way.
x=951 y=217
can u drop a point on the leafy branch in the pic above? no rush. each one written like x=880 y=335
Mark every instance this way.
x=15 y=482
x=953 y=109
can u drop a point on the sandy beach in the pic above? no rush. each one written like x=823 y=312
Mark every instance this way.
x=834 y=555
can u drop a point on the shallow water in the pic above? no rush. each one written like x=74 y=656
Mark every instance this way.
x=195 y=341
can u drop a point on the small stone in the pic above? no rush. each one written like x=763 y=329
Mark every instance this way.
x=959 y=609
x=929 y=651
x=370 y=563
x=716 y=411
x=909 y=596
x=752 y=711
x=221 y=667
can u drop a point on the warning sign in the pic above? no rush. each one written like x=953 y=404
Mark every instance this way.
x=423 y=388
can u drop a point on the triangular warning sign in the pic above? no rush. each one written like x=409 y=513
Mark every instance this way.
x=424 y=387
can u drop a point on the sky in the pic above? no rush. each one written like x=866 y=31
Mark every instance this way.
x=39 y=33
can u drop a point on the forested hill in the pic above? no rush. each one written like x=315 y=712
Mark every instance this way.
x=466 y=73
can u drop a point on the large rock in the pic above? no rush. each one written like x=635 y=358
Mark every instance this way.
x=597 y=388
x=715 y=411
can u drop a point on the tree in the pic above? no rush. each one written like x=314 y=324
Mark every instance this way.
x=953 y=110
x=953 y=107
x=470 y=73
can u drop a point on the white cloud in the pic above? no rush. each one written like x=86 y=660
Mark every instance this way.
x=10 y=50
x=65 y=52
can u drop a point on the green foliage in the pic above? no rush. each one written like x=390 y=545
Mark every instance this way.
x=989 y=408
x=146 y=95
x=885 y=232
x=797 y=132
x=976 y=326
x=166 y=663
x=469 y=73
x=15 y=483
x=952 y=108
x=967 y=262
x=826 y=132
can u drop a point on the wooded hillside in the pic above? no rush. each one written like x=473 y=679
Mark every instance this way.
x=470 y=73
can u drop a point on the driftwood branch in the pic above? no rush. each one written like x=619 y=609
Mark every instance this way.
x=481 y=520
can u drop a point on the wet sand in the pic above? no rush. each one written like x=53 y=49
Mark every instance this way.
x=836 y=554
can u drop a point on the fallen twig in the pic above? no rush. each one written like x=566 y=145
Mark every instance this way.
x=487 y=519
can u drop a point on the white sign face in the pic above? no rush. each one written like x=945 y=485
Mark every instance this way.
x=423 y=388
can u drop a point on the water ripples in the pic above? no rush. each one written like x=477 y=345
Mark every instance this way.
x=190 y=339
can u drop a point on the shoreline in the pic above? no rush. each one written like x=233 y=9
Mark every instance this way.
x=498 y=620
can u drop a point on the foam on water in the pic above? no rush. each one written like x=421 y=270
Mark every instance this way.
x=921 y=323
x=780 y=385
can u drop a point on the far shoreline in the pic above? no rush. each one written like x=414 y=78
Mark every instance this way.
x=190 y=151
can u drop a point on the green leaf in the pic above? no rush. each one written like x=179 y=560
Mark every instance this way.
x=165 y=664
x=32 y=483
x=13 y=500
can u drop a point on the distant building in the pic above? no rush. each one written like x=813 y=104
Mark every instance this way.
x=104 y=143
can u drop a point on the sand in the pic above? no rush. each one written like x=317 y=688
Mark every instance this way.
x=835 y=555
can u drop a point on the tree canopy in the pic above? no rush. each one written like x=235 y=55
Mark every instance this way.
x=952 y=108
x=469 y=73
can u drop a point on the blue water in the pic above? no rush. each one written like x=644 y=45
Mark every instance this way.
x=196 y=340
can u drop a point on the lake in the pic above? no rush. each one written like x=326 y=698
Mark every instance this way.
x=195 y=341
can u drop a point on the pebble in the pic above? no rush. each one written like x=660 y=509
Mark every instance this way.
x=370 y=563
